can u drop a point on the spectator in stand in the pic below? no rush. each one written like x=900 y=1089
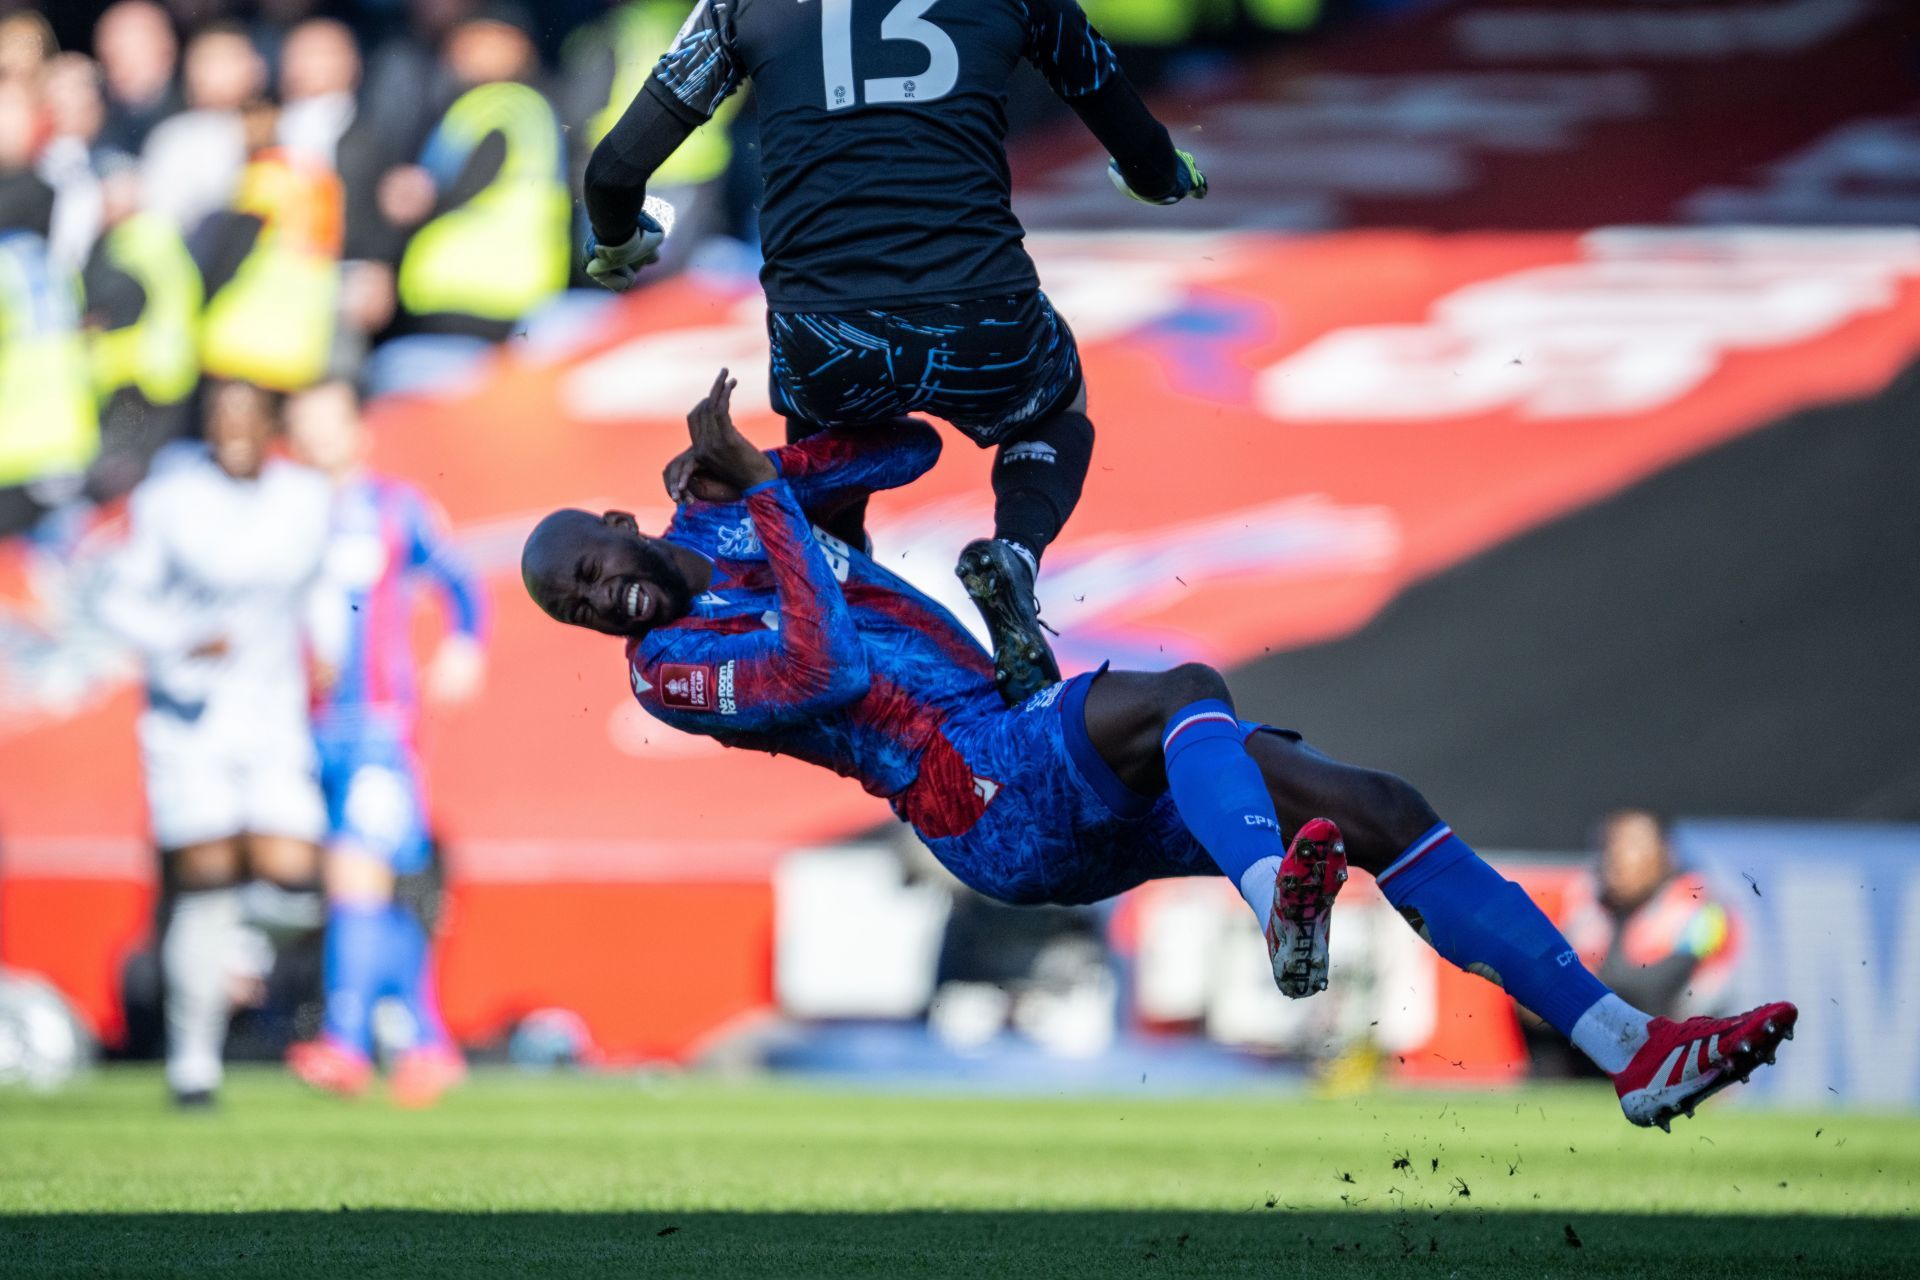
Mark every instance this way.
x=490 y=187
x=1651 y=930
x=387 y=541
x=26 y=45
x=48 y=428
x=49 y=431
x=138 y=50
x=192 y=161
x=319 y=75
x=271 y=22
x=271 y=264
x=74 y=162
x=407 y=81
x=211 y=591
x=144 y=297
x=26 y=201
x=322 y=122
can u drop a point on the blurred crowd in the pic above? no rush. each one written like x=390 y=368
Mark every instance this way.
x=284 y=193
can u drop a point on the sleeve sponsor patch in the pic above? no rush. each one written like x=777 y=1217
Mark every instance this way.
x=688 y=686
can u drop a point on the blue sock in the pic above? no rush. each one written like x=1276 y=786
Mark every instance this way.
x=1486 y=924
x=1222 y=796
x=413 y=977
x=356 y=963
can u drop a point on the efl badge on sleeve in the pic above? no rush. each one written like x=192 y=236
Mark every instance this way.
x=686 y=685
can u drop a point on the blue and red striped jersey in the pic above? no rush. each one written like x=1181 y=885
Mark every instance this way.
x=805 y=647
x=386 y=542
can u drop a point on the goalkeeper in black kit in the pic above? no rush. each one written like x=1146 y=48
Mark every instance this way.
x=895 y=276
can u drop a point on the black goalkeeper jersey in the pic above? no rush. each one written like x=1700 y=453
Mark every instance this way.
x=883 y=125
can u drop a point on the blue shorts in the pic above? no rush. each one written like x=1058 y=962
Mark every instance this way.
x=370 y=776
x=991 y=368
x=1060 y=826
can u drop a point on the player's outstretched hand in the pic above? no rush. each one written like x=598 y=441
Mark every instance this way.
x=720 y=464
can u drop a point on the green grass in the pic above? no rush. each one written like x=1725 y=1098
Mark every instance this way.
x=568 y=1176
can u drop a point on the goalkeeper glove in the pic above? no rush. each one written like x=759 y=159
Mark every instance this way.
x=1188 y=181
x=614 y=266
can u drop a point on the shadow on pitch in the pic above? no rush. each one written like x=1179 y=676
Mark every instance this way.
x=1261 y=1240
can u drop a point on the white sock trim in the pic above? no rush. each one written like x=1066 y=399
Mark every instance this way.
x=1257 y=887
x=1194 y=719
x=1415 y=851
x=1610 y=1033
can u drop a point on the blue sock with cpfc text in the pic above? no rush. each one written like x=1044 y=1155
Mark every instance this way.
x=1486 y=924
x=1223 y=798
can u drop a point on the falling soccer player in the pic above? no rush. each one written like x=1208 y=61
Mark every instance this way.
x=895 y=278
x=793 y=642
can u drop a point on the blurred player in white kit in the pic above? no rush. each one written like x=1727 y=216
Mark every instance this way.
x=210 y=591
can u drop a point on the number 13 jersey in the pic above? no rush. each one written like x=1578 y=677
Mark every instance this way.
x=883 y=127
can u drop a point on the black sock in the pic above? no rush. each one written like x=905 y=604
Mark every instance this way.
x=1037 y=480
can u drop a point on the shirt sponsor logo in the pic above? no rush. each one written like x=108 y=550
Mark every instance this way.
x=687 y=685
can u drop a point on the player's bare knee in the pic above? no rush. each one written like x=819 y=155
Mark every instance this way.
x=1393 y=816
x=286 y=861
x=1189 y=683
x=214 y=864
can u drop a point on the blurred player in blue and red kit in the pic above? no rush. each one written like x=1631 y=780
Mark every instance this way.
x=386 y=540
x=745 y=623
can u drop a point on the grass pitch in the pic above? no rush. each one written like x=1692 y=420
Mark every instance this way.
x=574 y=1177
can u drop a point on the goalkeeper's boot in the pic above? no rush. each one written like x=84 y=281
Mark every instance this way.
x=1001 y=583
x=1684 y=1063
x=331 y=1067
x=1309 y=879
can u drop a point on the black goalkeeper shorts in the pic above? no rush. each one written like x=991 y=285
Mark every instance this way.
x=991 y=367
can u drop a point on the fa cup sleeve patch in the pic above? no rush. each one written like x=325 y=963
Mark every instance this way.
x=688 y=686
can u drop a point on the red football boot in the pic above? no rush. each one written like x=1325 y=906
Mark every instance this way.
x=1684 y=1063
x=422 y=1076
x=328 y=1065
x=1309 y=879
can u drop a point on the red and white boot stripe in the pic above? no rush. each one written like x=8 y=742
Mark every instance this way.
x=1684 y=1063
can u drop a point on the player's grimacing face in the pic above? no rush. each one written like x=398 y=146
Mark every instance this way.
x=603 y=574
